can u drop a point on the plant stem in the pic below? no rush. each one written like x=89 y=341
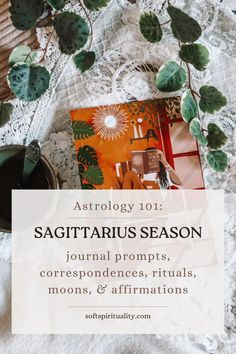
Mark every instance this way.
x=27 y=56
x=90 y=24
x=196 y=94
x=189 y=76
x=46 y=47
x=165 y=23
x=47 y=21
x=193 y=92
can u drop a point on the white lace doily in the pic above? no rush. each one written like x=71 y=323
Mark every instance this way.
x=124 y=70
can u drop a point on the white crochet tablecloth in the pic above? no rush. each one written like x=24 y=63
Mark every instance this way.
x=125 y=70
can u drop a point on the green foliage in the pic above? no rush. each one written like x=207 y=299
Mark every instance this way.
x=94 y=175
x=5 y=113
x=95 y=5
x=24 y=13
x=150 y=27
x=216 y=137
x=22 y=54
x=195 y=129
x=87 y=186
x=84 y=60
x=57 y=4
x=81 y=170
x=218 y=160
x=188 y=106
x=195 y=54
x=211 y=99
x=184 y=27
x=88 y=156
x=171 y=77
x=28 y=83
x=72 y=31
x=82 y=130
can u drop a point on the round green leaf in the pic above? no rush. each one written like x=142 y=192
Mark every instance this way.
x=195 y=54
x=82 y=130
x=195 y=129
x=188 y=106
x=24 y=13
x=72 y=31
x=95 y=5
x=28 y=83
x=87 y=155
x=57 y=4
x=5 y=113
x=184 y=27
x=150 y=27
x=216 y=137
x=93 y=175
x=170 y=77
x=211 y=99
x=22 y=54
x=84 y=60
x=218 y=160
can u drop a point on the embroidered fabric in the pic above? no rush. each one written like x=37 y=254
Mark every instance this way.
x=124 y=70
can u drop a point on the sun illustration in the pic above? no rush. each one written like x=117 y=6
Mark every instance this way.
x=110 y=122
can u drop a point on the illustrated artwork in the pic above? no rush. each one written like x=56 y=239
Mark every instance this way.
x=136 y=145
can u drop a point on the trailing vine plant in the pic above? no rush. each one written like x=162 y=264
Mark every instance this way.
x=28 y=78
x=174 y=76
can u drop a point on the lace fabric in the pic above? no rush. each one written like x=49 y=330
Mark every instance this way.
x=125 y=67
x=124 y=70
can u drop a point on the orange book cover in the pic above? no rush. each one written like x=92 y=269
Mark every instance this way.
x=136 y=145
